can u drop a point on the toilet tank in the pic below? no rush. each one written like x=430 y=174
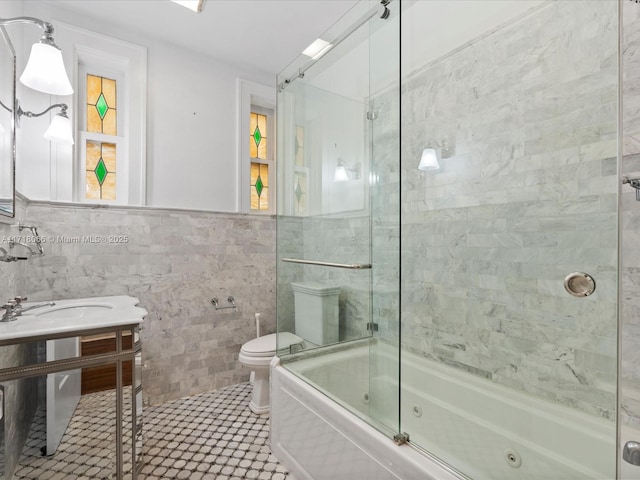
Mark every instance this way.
x=316 y=312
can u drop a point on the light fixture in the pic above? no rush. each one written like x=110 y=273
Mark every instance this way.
x=431 y=156
x=429 y=160
x=194 y=5
x=342 y=172
x=59 y=130
x=45 y=70
x=317 y=48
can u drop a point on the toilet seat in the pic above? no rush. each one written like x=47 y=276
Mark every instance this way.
x=257 y=355
x=266 y=346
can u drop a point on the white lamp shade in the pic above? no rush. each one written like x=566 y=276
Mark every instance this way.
x=59 y=130
x=341 y=173
x=1 y=129
x=45 y=71
x=429 y=160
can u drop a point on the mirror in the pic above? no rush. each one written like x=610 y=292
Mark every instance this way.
x=7 y=125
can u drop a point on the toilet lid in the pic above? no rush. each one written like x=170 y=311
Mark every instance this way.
x=266 y=345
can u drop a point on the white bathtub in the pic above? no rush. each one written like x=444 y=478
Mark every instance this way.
x=482 y=429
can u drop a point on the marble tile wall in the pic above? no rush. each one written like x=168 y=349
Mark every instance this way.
x=529 y=196
x=20 y=396
x=330 y=239
x=342 y=240
x=174 y=262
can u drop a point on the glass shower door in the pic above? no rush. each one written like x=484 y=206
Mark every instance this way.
x=328 y=173
x=508 y=353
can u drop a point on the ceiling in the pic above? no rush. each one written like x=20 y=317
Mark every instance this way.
x=260 y=34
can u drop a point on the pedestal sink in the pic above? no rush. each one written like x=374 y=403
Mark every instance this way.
x=70 y=315
x=69 y=319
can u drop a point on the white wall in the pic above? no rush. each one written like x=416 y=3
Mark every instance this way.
x=191 y=118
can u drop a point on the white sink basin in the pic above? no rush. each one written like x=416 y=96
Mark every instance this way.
x=72 y=311
x=67 y=316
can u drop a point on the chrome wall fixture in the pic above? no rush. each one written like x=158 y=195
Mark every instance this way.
x=45 y=73
x=634 y=182
x=34 y=238
x=230 y=300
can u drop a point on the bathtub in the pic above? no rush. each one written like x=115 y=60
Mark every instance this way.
x=487 y=431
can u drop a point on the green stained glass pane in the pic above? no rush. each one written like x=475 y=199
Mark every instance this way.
x=101 y=106
x=298 y=191
x=259 y=186
x=101 y=171
x=257 y=136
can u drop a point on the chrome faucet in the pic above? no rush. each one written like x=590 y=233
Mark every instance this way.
x=13 y=308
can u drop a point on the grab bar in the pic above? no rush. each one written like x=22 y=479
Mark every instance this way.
x=354 y=266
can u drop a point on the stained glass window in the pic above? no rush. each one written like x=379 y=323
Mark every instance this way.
x=101 y=105
x=100 y=162
x=299 y=145
x=261 y=159
x=259 y=186
x=300 y=192
x=258 y=136
x=100 y=170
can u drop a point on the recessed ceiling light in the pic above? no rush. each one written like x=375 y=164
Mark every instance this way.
x=318 y=48
x=195 y=5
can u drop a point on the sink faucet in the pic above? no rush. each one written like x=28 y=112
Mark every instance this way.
x=13 y=308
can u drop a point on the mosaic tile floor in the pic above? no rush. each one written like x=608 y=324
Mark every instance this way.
x=208 y=436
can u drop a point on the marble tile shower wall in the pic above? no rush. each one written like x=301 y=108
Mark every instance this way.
x=342 y=240
x=174 y=262
x=339 y=240
x=529 y=197
x=630 y=220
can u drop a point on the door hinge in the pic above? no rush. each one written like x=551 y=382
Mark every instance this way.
x=372 y=115
x=401 y=438
x=372 y=327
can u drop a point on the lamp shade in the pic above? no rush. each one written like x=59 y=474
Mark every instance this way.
x=59 y=130
x=1 y=129
x=340 y=174
x=45 y=71
x=429 y=160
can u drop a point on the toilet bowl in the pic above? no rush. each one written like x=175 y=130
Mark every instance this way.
x=256 y=354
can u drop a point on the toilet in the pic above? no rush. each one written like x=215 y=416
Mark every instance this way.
x=257 y=354
x=316 y=312
x=316 y=322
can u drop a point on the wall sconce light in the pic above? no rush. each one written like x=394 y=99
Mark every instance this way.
x=45 y=73
x=341 y=174
x=430 y=160
x=45 y=70
x=59 y=130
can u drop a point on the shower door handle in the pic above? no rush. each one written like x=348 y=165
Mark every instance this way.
x=354 y=266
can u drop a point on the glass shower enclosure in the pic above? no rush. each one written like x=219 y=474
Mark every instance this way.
x=467 y=305
x=337 y=139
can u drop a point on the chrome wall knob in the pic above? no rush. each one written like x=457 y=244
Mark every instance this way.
x=579 y=284
x=631 y=453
